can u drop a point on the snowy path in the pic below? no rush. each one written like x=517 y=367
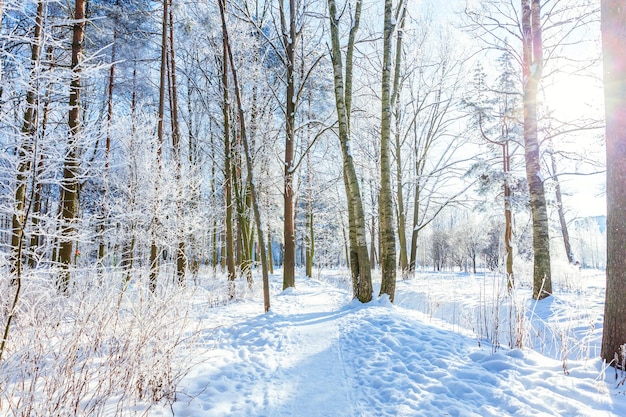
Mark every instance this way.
x=312 y=373
x=319 y=354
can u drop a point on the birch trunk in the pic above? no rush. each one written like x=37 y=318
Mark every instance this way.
x=532 y=70
x=387 y=232
x=358 y=254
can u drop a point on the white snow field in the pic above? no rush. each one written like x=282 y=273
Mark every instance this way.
x=441 y=350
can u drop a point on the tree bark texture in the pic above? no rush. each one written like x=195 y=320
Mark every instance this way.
x=532 y=70
x=395 y=101
x=69 y=189
x=249 y=166
x=387 y=230
x=613 y=14
x=154 y=247
x=358 y=254
x=181 y=251
x=228 y=188
x=289 y=42
x=26 y=148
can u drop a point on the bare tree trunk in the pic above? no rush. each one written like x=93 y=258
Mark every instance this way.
x=309 y=233
x=395 y=101
x=508 y=216
x=36 y=238
x=70 y=188
x=26 y=148
x=228 y=177
x=532 y=69
x=128 y=252
x=103 y=213
x=270 y=252
x=373 y=254
x=387 y=232
x=154 y=247
x=181 y=257
x=289 y=43
x=244 y=139
x=614 y=48
x=415 y=228
x=561 y=212
x=358 y=254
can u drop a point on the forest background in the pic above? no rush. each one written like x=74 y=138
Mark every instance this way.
x=149 y=142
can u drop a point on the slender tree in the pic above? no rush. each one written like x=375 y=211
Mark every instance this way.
x=387 y=229
x=154 y=247
x=26 y=148
x=248 y=157
x=357 y=251
x=506 y=104
x=289 y=39
x=107 y=157
x=181 y=257
x=398 y=141
x=228 y=178
x=614 y=47
x=69 y=189
x=560 y=209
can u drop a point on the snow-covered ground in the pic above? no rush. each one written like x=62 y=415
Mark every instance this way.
x=439 y=351
x=452 y=344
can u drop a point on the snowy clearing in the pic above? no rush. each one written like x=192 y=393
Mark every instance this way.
x=317 y=353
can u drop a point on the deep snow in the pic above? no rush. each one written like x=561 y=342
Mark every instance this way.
x=438 y=351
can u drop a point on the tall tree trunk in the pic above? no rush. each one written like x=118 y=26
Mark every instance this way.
x=387 y=231
x=395 y=101
x=70 y=188
x=128 y=253
x=154 y=247
x=228 y=177
x=103 y=208
x=36 y=238
x=196 y=253
x=613 y=14
x=181 y=256
x=248 y=156
x=26 y=148
x=532 y=70
x=358 y=254
x=289 y=42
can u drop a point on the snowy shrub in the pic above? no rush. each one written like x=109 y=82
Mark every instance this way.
x=105 y=349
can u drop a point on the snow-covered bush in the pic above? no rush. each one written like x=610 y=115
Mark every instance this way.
x=107 y=348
